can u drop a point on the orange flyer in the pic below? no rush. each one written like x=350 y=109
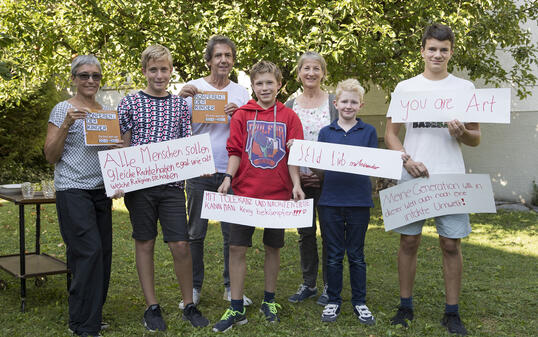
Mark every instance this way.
x=101 y=127
x=208 y=107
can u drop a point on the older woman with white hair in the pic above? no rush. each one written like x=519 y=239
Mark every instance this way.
x=315 y=108
x=84 y=210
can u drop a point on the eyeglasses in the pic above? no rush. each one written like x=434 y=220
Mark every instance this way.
x=85 y=76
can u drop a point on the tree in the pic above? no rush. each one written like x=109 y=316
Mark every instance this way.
x=375 y=41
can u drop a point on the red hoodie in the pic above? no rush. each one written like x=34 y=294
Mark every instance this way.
x=263 y=171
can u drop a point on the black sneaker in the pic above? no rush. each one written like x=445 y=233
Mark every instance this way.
x=330 y=312
x=270 y=311
x=229 y=319
x=452 y=322
x=303 y=293
x=193 y=315
x=153 y=319
x=323 y=300
x=363 y=314
x=402 y=316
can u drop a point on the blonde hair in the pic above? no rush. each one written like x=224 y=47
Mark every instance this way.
x=263 y=67
x=352 y=85
x=311 y=55
x=155 y=52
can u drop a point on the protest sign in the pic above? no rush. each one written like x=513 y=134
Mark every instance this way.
x=479 y=105
x=346 y=158
x=440 y=194
x=258 y=212
x=208 y=107
x=101 y=127
x=143 y=166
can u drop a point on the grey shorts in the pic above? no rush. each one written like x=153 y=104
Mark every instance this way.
x=164 y=203
x=452 y=226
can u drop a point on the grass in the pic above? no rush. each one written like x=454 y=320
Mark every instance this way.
x=499 y=295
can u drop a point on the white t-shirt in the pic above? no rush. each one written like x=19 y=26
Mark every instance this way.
x=218 y=132
x=430 y=142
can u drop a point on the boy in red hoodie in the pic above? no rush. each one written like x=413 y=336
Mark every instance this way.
x=258 y=167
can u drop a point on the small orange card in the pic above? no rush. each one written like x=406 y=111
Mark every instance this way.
x=208 y=107
x=101 y=127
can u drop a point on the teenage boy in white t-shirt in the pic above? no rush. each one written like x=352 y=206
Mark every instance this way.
x=219 y=56
x=433 y=148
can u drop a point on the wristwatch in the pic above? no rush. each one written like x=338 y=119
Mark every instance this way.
x=229 y=176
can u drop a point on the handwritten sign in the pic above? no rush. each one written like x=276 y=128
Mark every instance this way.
x=441 y=194
x=258 y=212
x=346 y=158
x=143 y=166
x=480 y=105
x=101 y=127
x=208 y=107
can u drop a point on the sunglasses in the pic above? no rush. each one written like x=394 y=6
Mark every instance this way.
x=85 y=76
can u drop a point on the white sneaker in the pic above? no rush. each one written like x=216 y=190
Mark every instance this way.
x=195 y=298
x=227 y=296
x=363 y=314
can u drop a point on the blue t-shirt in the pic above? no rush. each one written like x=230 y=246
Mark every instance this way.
x=347 y=189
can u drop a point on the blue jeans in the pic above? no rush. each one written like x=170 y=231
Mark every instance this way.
x=198 y=227
x=344 y=230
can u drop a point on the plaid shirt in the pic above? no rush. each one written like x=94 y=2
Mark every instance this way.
x=154 y=119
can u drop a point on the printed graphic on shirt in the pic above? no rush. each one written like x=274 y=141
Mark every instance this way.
x=266 y=148
x=421 y=125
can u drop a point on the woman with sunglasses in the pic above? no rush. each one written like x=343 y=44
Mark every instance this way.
x=84 y=210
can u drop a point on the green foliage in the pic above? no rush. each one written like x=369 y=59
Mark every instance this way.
x=22 y=135
x=534 y=200
x=374 y=41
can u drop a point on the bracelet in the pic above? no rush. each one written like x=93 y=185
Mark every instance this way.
x=229 y=176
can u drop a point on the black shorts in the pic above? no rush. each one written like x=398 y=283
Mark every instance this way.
x=241 y=235
x=164 y=203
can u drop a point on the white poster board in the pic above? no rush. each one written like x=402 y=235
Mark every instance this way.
x=143 y=166
x=479 y=105
x=257 y=212
x=441 y=194
x=346 y=158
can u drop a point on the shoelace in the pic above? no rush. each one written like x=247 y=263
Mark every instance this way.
x=302 y=288
x=363 y=310
x=330 y=309
x=230 y=312
x=272 y=306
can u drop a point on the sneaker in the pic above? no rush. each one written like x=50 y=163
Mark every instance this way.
x=153 y=319
x=363 y=314
x=195 y=298
x=227 y=296
x=193 y=315
x=270 y=312
x=303 y=293
x=323 y=300
x=104 y=326
x=402 y=316
x=229 y=319
x=452 y=322
x=330 y=312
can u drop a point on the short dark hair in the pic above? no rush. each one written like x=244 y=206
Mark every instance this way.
x=439 y=32
x=218 y=39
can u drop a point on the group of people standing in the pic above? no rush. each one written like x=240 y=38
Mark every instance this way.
x=250 y=154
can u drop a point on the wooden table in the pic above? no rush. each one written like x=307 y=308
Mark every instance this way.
x=32 y=264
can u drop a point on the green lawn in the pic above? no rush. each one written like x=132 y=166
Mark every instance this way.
x=499 y=295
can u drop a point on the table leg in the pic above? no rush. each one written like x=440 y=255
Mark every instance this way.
x=38 y=229
x=22 y=257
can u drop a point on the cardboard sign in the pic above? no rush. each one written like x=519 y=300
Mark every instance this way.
x=441 y=194
x=479 y=105
x=101 y=127
x=143 y=166
x=346 y=158
x=208 y=107
x=258 y=212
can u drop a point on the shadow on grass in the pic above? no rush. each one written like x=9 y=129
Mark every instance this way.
x=498 y=295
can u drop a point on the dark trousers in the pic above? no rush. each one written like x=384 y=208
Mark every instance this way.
x=344 y=230
x=85 y=218
x=198 y=227
x=308 y=246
